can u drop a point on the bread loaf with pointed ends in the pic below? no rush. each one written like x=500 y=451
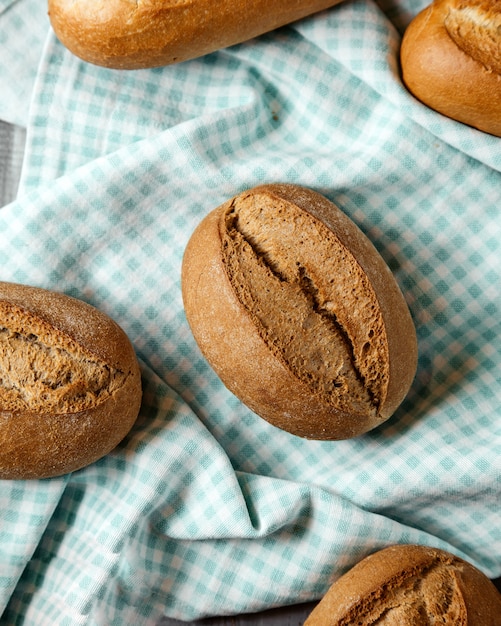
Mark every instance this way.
x=131 y=34
x=298 y=313
x=70 y=384
x=451 y=61
x=410 y=585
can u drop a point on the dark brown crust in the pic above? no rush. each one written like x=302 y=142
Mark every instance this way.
x=443 y=75
x=231 y=343
x=374 y=583
x=124 y=34
x=34 y=445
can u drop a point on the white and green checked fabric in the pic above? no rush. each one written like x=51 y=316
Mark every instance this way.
x=205 y=509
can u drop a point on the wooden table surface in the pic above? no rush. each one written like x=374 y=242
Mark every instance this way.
x=284 y=616
x=12 y=141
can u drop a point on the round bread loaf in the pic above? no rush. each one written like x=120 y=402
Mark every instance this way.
x=451 y=61
x=125 y=34
x=298 y=313
x=409 y=585
x=70 y=385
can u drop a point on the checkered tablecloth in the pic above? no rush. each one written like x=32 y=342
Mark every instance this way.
x=205 y=509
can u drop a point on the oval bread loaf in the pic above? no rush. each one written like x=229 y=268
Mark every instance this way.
x=298 y=313
x=409 y=585
x=451 y=61
x=70 y=385
x=127 y=34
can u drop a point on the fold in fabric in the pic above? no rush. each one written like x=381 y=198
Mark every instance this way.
x=205 y=509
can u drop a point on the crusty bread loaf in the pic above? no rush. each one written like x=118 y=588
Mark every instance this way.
x=125 y=34
x=451 y=61
x=70 y=385
x=298 y=313
x=409 y=585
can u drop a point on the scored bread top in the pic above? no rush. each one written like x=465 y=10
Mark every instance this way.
x=43 y=369
x=451 y=61
x=410 y=585
x=322 y=319
x=298 y=314
x=58 y=354
x=475 y=27
x=70 y=383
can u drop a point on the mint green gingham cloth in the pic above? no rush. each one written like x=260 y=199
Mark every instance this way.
x=205 y=509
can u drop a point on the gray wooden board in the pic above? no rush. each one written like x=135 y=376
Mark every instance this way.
x=285 y=616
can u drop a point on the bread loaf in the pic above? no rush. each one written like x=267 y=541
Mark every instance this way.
x=125 y=34
x=451 y=61
x=70 y=385
x=410 y=585
x=298 y=313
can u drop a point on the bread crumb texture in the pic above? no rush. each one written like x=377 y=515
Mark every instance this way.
x=44 y=370
x=323 y=321
x=427 y=598
x=475 y=27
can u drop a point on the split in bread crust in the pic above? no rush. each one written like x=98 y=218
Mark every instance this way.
x=475 y=27
x=331 y=337
x=70 y=384
x=410 y=585
x=451 y=61
x=298 y=313
x=46 y=371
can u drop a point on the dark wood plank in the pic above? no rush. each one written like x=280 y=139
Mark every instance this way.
x=284 y=616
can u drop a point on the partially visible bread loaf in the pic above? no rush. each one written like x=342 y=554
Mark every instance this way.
x=298 y=313
x=451 y=61
x=410 y=585
x=126 y=34
x=70 y=385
